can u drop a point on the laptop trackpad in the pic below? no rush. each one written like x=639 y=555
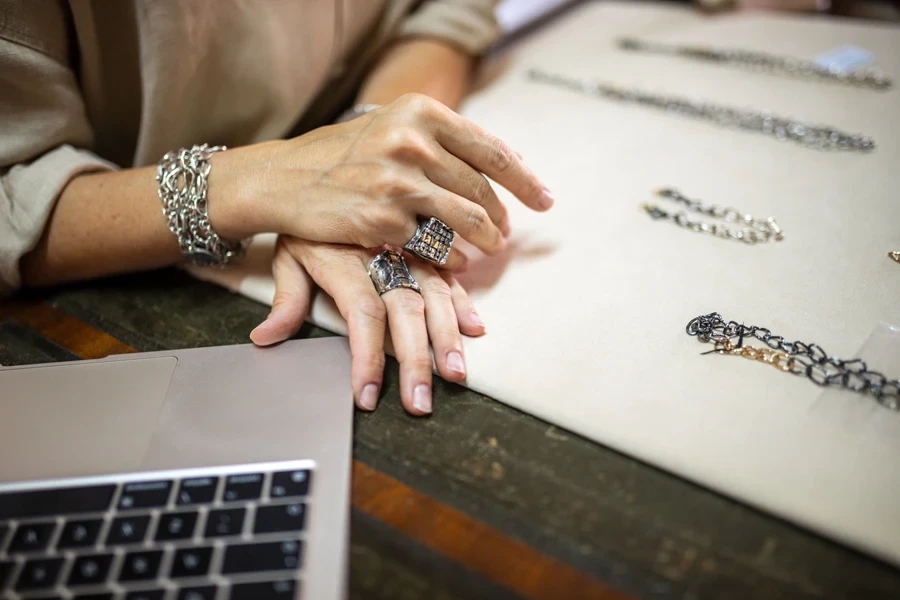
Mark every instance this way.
x=80 y=419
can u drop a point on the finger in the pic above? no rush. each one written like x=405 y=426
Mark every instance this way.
x=467 y=219
x=457 y=262
x=454 y=175
x=469 y=322
x=490 y=155
x=406 y=317
x=342 y=275
x=440 y=318
x=293 y=293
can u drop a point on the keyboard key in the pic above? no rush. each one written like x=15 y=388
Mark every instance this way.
x=32 y=537
x=225 y=522
x=141 y=565
x=243 y=487
x=191 y=562
x=146 y=595
x=200 y=490
x=90 y=570
x=39 y=573
x=45 y=598
x=267 y=590
x=79 y=534
x=207 y=592
x=176 y=526
x=59 y=501
x=102 y=596
x=6 y=569
x=145 y=494
x=291 y=483
x=285 y=517
x=128 y=530
x=271 y=556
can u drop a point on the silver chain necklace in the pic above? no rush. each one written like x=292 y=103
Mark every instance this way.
x=762 y=61
x=733 y=225
x=820 y=137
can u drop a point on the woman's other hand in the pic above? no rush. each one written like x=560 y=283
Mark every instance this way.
x=442 y=313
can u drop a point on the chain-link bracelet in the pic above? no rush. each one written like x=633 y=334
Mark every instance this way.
x=182 y=177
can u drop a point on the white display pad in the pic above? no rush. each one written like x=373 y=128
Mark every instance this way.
x=586 y=312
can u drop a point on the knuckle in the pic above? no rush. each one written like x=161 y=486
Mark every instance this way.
x=437 y=288
x=281 y=297
x=481 y=190
x=410 y=302
x=420 y=361
x=415 y=103
x=370 y=308
x=476 y=220
x=370 y=362
x=501 y=156
x=390 y=183
x=387 y=223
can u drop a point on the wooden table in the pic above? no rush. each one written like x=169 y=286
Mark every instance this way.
x=478 y=500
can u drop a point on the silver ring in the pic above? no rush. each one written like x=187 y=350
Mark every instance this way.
x=432 y=241
x=388 y=271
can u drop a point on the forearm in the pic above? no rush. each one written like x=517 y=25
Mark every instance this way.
x=421 y=66
x=103 y=224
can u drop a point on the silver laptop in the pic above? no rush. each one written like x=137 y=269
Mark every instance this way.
x=205 y=474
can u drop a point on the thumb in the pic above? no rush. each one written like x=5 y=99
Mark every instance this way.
x=290 y=305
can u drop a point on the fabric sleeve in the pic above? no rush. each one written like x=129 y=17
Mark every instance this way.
x=44 y=134
x=470 y=25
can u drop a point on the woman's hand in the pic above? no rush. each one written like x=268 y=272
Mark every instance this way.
x=366 y=181
x=440 y=313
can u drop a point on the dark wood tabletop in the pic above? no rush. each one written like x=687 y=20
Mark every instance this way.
x=479 y=500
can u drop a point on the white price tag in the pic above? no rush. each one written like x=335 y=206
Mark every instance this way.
x=845 y=59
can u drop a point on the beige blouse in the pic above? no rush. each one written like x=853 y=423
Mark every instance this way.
x=89 y=85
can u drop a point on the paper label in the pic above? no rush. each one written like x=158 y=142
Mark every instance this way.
x=845 y=59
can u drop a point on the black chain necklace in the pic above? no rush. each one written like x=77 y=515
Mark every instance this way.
x=798 y=358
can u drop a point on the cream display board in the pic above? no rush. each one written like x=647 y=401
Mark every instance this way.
x=586 y=312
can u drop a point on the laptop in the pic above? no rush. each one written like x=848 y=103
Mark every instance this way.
x=202 y=474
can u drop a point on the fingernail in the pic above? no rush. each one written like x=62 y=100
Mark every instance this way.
x=476 y=320
x=546 y=199
x=368 y=398
x=422 y=398
x=455 y=363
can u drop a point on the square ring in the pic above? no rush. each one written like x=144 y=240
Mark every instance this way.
x=432 y=241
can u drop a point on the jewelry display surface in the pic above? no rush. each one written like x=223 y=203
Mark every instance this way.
x=585 y=311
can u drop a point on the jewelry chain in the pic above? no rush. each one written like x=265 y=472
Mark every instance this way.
x=733 y=225
x=798 y=358
x=763 y=61
x=819 y=137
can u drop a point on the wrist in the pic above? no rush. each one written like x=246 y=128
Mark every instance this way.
x=234 y=204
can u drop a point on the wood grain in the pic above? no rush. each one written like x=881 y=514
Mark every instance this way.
x=481 y=548
x=70 y=333
x=462 y=539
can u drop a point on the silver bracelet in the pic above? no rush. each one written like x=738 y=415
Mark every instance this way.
x=182 y=177
x=356 y=111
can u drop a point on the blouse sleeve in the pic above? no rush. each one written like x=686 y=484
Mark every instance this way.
x=44 y=134
x=470 y=25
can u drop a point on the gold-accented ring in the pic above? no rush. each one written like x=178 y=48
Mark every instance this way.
x=388 y=271
x=432 y=241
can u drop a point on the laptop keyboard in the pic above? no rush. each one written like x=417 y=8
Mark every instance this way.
x=197 y=534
